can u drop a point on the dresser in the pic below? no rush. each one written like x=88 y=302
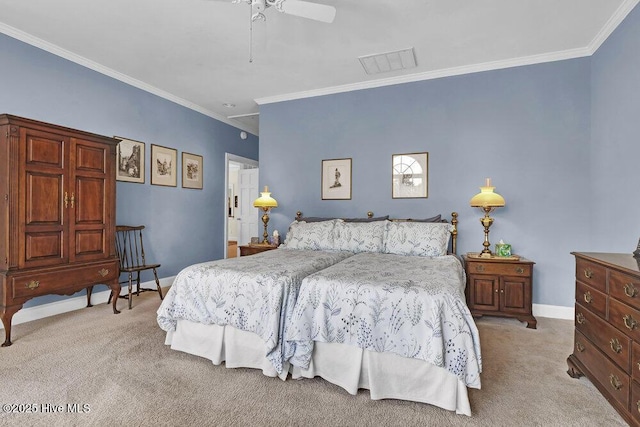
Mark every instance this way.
x=57 y=220
x=500 y=287
x=607 y=328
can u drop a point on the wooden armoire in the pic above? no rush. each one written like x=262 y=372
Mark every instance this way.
x=57 y=218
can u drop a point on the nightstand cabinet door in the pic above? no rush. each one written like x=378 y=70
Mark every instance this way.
x=515 y=295
x=484 y=292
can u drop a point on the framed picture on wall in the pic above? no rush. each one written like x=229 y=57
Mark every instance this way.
x=336 y=179
x=164 y=167
x=409 y=177
x=130 y=160
x=191 y=171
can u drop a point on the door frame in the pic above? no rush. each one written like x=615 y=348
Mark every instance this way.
x=228 y=157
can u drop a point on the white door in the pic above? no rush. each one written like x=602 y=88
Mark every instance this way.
x=247 y=216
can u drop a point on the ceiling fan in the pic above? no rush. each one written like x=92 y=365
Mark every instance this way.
x=303 y=9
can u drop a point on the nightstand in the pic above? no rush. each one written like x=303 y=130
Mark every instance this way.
x=500 y=287
x=255 y=249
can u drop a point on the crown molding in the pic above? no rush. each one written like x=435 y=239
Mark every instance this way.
x=430 y=75
x=609 y=27
x=80 y=60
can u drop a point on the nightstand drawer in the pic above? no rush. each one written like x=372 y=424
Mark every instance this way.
x=501 y=268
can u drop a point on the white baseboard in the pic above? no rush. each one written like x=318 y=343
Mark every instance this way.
x=76 y=303
x=553 y=311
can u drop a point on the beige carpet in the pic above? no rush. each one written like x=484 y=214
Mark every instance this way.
x=119 y=366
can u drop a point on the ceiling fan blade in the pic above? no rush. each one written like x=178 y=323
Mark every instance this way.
x=305 y=9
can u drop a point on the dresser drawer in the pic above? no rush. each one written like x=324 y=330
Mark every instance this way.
x=592 y=274
x=615 y=344
x=592 y=299
x=54 y=281
x=624 y=287
x=502 y=268
x=635 y=400
x=625 y=318
x=635 y=361
x=612 y=378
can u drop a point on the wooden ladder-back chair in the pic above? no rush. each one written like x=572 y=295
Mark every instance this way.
x=130 y=250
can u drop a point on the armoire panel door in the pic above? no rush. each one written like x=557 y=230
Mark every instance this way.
x=92 y=192
x=42 y=209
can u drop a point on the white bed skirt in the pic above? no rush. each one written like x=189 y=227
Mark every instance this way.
x=238 y=349
x=385 y=375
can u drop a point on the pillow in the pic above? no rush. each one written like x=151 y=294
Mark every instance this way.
x=359 y=236
x=417 y=238
x=437 y=218
x=313 y=235
x=318 y=219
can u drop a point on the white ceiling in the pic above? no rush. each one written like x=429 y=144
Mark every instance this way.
x=196 y=52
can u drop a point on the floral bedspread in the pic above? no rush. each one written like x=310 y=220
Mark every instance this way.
x=253 y=293
x=408 y=305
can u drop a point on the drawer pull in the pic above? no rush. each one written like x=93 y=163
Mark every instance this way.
x=519 y=270
x=104 y=272
x=580 y=349
x=638 y=405
x=580 y=318
x=630 y=290
x=32 y=284
x=615 y=382
x=588 y=297
x=615 y=345
x=588 y=273
x=479 y=267
x=630 y=322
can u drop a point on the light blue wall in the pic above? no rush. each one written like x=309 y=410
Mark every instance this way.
x=614 y=197
x=528 y=128
x=184 y=226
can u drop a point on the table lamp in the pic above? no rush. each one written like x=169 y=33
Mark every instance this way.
x=265 y=202
x=488 y=201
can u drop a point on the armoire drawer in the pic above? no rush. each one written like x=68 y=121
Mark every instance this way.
x=612 y=378
x=594 y=275
x=62 y=279
x=613 y=343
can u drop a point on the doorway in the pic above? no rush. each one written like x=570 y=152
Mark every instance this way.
x=241 y=188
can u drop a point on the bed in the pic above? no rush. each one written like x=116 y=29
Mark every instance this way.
x=377 y=305
x=393 y=321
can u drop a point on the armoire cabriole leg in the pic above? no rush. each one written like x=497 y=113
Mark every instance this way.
x=115 y=291
x=6 y=315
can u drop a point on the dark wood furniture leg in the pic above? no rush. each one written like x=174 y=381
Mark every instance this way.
x=89 y=291
x=115 y=290
x=7 y=315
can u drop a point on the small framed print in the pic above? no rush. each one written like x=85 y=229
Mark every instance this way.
x=409 y=175
x=191 y=171
x=336 y=179
x=164 y=168
x=130 y=160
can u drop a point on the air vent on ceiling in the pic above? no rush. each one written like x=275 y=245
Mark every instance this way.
x=389 y=61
